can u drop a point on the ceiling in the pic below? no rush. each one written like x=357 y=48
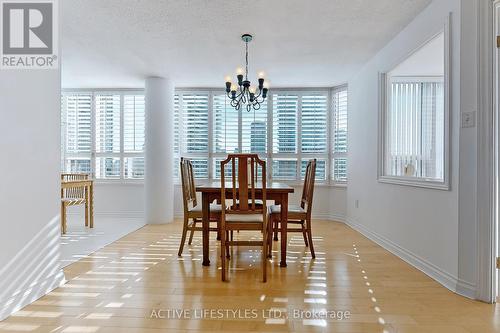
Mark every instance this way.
x=316 y=43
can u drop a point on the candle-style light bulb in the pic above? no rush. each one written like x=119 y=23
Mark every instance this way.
x=234 y=87
x=227 y=78
x=252 y=89
x=239 y=71
x=261 y=75
x=266 y=84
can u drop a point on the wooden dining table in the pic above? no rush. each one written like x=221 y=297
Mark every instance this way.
x=274 y=191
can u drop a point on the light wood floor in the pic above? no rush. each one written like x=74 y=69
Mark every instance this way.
x=117 y=289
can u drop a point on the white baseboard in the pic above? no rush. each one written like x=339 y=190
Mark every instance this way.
x=31 y=294
x=179 y=215
x=120 y=214
x=448 y=280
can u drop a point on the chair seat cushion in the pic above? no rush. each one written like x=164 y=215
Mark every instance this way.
x=276 y=209
x=250 y=218
x=214 y=208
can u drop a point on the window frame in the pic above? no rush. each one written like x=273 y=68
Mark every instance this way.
x=94 y=155
x=211 y=155
x=384 y=89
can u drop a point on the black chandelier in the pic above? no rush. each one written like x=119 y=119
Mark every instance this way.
x=244 y=92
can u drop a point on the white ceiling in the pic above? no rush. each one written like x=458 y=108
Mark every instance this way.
x=298 y=43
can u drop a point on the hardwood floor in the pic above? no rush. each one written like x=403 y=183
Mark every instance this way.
x=132 y=284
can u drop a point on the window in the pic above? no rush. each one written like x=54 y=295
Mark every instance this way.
x=77 y=132
x=414 y=132
x=193 y=143
x=339 y=135
x=103 y=133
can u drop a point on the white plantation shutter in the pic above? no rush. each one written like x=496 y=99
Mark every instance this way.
x=133 y=123
x=76 y=132
x=285 y=109
x=177 y=134
x=339 y=135
x=254 y=130
x=107 y=123
x=314 y=123
x=194 y=108
x=195 y=122
x=225 y=128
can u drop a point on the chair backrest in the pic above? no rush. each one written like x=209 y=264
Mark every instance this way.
x=308 y=190
x=74 y=192
x=188 y=185
x=247 y=177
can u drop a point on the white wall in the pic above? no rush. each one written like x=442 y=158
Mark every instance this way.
x=431 y=229
x=126 y=200
x=30 y=188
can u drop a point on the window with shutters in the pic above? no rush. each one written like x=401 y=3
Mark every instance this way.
x=339 y=135
x=76 y=133
x=103 y=133
x=414 y=140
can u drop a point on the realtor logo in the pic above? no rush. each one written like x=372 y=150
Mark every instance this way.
x=29 y=34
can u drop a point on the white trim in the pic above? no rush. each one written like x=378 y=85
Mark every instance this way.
x=413 y=181
x=487 y=158
x=382 y=145
x=448 y=280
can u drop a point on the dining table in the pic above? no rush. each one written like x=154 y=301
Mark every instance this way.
x=211 y=191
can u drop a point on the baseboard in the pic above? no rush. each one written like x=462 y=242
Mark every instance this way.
x=31 y=294
x=448 y=280
x=179 y=215
x=119 y=214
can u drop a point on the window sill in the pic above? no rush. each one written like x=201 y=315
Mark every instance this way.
x=415 y=182
x=140 y=182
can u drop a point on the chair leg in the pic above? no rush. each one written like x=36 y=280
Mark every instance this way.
x=218 y=230
x=232 y=235
x=228 y=255
x=309 y=235
x=270 y=241
x=86 y=213
x=264 y=254
x=192 y=232
x=222 y=256
x=275 y=223
x=304 y=232
x=183 y=238
x=63 y=218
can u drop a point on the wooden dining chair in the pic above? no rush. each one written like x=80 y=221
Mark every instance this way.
x=73 y=196
x=244 y=212
x=297 y=214
x=192 y=210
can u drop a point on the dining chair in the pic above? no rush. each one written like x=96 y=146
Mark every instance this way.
x=192 y=210
x=297 y=214
x=73 y=196
x=244 y=212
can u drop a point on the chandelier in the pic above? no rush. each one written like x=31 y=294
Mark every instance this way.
x=243 y=93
